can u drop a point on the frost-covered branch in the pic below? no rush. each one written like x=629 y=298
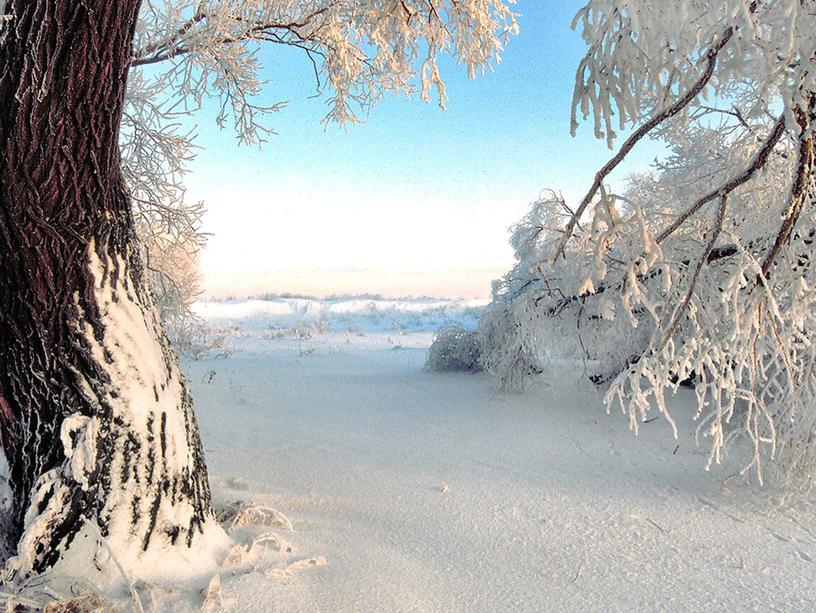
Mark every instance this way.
x=745 y=175
x=801 y=185
x=710 y=62
x=361 y=50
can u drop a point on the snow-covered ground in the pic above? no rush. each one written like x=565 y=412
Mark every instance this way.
x=428 y=492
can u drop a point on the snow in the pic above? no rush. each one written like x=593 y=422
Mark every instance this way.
x=80 y=454
x=367 y=313
x=412 y=491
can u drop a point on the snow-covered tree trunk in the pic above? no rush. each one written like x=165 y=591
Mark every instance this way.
x=96 y=421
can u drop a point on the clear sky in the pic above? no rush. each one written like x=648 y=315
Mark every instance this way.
x=415 y=201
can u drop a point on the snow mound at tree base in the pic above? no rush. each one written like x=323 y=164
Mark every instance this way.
x=89 y=578
x=136 y=581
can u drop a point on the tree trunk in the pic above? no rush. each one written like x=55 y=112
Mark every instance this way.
x=96 y=421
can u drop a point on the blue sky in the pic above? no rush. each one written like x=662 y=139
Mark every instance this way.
x=415 y=201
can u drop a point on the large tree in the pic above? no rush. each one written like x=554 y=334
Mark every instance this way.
x=96 y=421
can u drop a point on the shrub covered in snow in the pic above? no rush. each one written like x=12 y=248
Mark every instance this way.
x=455 y=349
x=509 y=348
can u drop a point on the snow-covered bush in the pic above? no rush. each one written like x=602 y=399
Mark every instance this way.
x=702 y=270
x=454 y=349
x=508 y=345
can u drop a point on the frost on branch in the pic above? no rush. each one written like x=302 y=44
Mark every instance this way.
x=702 y=270
x=359 y=50
x=155 y=153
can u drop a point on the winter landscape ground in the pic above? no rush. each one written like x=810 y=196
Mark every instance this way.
x=412 y=491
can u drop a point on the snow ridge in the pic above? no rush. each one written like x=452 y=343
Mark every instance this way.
x=364 y=313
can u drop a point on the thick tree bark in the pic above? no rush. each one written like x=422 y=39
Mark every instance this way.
x=95 y=417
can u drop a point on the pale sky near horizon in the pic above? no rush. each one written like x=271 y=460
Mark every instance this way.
x=415 y=201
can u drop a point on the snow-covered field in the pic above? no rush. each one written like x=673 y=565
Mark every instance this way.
x=348 y=316
x=429 y=492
